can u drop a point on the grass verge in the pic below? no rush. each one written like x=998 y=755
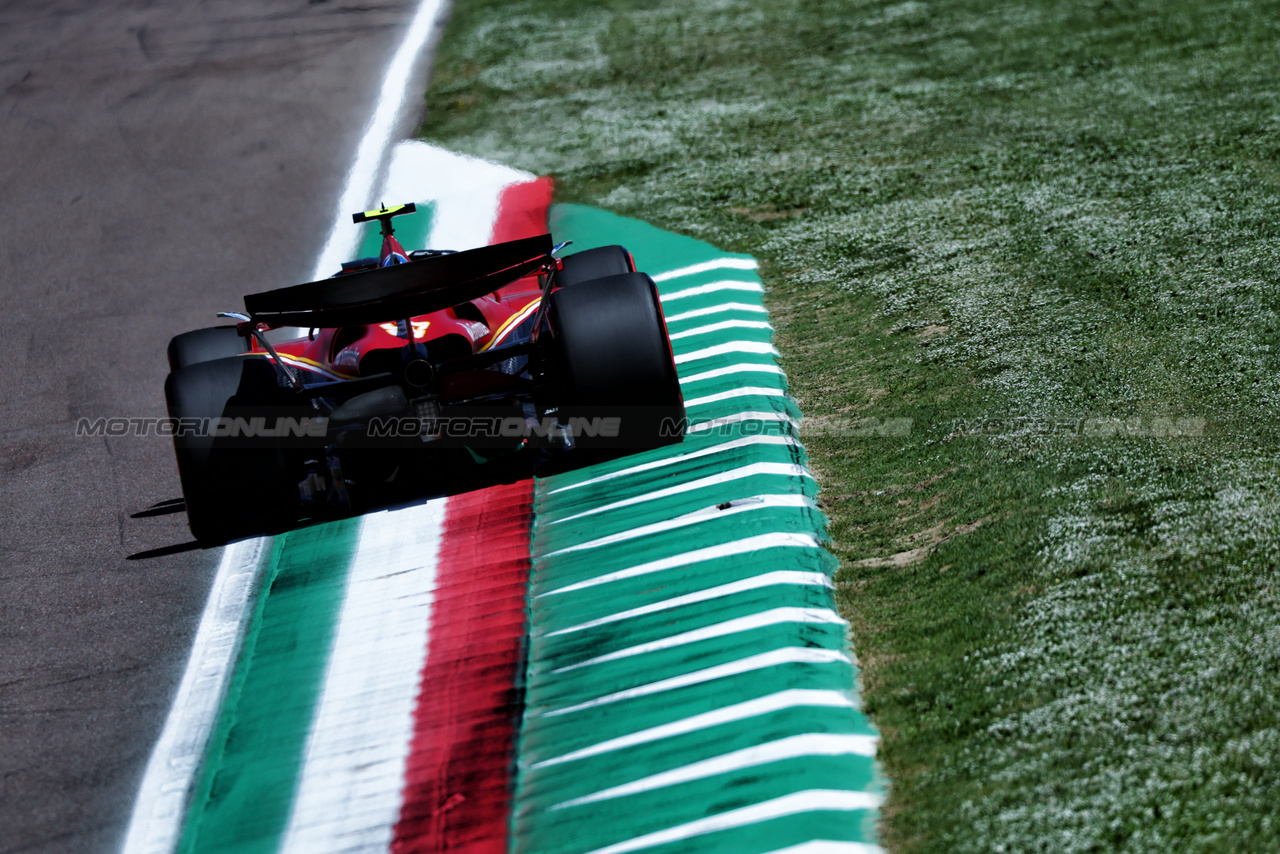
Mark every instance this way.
x=1045 y=234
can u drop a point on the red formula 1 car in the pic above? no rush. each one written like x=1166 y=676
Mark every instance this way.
x=410 y=365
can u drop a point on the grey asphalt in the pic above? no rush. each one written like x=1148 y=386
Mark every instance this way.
x=157 y=162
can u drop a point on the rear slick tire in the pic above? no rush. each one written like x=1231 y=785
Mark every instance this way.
x=205 y=345
x=616 y=362
x=592 y=264
x=233 y=486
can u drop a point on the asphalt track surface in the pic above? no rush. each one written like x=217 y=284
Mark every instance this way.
x=157 y=162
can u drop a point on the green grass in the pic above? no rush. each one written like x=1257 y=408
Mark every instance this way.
x=1046 y=232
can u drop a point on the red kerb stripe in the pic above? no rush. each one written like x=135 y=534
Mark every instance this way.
x=522 y=210
x=458 y=778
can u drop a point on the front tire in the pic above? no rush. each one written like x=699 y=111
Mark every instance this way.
x=233 y=486
x=616 y=362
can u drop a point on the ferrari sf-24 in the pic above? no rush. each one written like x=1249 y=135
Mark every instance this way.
x=322 y=396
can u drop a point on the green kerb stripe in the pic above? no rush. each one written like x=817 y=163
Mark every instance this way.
x=688 y=672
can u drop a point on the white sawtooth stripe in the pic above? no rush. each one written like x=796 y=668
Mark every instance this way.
x=352 y=775
x=718 y=511
x=749 y=470
x=745 y=368
x=720 y=327
x=376 y=137
x=739 y=417
x=708 y=266
x=672 y=460
x=761 y=348
x=746 y=545
x=742 y=391
x=768 y=579
x=155 y=824
x=791 y=747
x=788 y=699
x=796 y=803
x=829 y=846
x=716 y=309
x=712 y=288
x=772 y=658
x=771 y=617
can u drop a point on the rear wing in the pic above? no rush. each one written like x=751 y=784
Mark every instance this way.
x=402 y=290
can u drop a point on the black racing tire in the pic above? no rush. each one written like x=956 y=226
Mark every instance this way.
x=592 y=264
x=233 y=487
x=615 y=359
x=205 y=345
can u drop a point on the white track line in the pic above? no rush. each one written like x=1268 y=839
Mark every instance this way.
x=708 y=266
x=746 y=545
x=713 y=287
x=788 y=699
x=768 y=579
x=352 y=777
x=159 y=810
x=771 y=617
x=716 y=309
x=791 y=747
x=717 y=511
x=376 y=138
x=813 y=800
x=762 y=348
x=772 y=658
x=672 y=460
x=751 y=470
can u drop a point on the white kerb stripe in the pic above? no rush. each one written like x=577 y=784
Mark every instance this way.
x=745 y=368
x=768 y=579
x=158 y=812
x=772 y=617
x=792 y=747
x=791 y=698
x=744 y=391
x=739 y=417
x=707 y=266
x=738 y=547
x=773 y=658
x=466 y=191
x=712 y=288
x=721 y=326
x=352 y=776
x=679 y=458
x=752 y=470
x=812 y=800
x=739 y=505
x=375 y=139
x=762 y=348
x=716 y=309
x=829 y=846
